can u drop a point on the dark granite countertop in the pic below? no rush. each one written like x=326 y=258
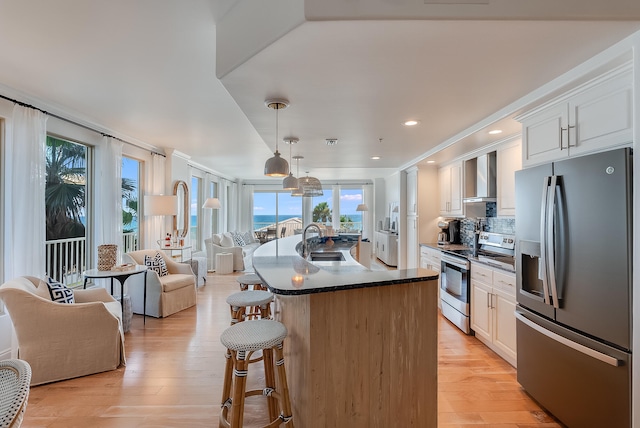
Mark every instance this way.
x=284 y=271
x=485 y=261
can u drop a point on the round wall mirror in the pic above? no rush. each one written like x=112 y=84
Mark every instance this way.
x=181 y=220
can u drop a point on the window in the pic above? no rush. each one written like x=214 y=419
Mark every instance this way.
x=66 y=210
x=195 y=203
x=350 y=219
x=130 y=204
x=323 y=208
x=276 y=214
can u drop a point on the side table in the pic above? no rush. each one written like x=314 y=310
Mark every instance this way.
x=121 y=276
x=224 y=263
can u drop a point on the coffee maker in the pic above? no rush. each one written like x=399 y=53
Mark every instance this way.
x=449 y=231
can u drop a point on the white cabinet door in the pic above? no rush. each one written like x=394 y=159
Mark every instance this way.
x=602 y=116
x=542 y=135
x=456 y=189
x=412 y=242
x=504 y=322
x=480 y=309
x=597 y=118
x=509 y=160
x=412 y=192
x=450 y=183
x=444 y=182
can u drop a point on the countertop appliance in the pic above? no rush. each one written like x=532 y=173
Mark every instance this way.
x=574 y=273
x=449 y=232
x=496 y=249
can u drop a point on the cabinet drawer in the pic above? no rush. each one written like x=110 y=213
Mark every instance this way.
x=505 y=282
x=481 y=273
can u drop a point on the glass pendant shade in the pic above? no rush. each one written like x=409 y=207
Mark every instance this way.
x=276 y=166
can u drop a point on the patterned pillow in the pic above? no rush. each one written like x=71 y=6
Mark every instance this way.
x=238 y=240
x=59 y=292
x=248 y=238
x=157 y=264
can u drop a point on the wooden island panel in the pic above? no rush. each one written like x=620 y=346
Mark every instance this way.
x=364 y=357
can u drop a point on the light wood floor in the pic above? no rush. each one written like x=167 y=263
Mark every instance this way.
x=173 y=378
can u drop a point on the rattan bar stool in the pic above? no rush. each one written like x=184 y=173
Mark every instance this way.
x=250 y=279
x=242 y=340
x=258 y=300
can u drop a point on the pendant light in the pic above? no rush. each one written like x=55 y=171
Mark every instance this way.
x=298 y=191
x=276 y=166
x=311 y=186
x=290 y=182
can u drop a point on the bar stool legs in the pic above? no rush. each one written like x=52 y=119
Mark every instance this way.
x=242 y=340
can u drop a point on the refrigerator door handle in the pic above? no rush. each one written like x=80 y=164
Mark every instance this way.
x=550 y=242
x=543 y=243
x=570 y=343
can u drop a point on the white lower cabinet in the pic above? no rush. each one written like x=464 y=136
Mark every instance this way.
x=430 y=259
x=387 y=248
x=493 y=305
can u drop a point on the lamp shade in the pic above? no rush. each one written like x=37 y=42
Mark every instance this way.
x=160 y=205
x=290 y=182
x=362 y=207
x=276 y=166
x=212 y=203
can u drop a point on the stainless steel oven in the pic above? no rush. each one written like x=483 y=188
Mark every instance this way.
x=454 y=290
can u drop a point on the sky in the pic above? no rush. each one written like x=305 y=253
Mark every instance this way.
x=265 y=203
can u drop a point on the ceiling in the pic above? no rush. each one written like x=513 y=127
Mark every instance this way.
x=146 y=70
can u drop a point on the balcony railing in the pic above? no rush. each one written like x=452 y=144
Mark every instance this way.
x=66 y=259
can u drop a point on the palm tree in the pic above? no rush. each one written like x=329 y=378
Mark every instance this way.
x=130 y=205
x=65 y=189
x=321 y=212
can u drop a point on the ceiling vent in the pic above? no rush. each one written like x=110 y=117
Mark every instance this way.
x=331 y=141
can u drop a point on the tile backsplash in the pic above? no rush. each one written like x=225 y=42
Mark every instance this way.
x=493 y=224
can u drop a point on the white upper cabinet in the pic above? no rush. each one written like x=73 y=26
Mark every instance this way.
x=593 y=118
x=509 y=160
x=450 y=181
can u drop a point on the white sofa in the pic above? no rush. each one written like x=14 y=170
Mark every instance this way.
x=225 y=243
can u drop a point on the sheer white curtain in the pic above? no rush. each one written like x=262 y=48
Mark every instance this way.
x=246 y=208
x=109 y=194
x=367 y=223
x=233 y=221
x=153 y=225
x=224 y=203
x=25 y=163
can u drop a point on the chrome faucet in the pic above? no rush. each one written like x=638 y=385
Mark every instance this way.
x=305 y=251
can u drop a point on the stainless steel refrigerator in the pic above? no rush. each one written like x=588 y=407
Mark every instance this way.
x=574 y=276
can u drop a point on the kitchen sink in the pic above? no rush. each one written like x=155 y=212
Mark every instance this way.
x=326 y=256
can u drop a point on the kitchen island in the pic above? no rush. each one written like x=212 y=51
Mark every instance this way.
x=362 y=344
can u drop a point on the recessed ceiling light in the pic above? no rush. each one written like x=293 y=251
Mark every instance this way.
x=495 y=132
x=375 y=157
x=411 y=122
x=431 y=161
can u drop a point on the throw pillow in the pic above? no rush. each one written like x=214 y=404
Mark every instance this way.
x=238 y=240
x=59 y=292
x=227 y=240
x=157 y=264
x=216 y=239
x=248 y=238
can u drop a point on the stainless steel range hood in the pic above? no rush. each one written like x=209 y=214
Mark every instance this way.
x=480 y=179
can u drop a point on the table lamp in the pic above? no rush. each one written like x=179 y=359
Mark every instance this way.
x=160 y=205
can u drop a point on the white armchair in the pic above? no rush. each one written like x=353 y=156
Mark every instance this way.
x=64 y=340
x=166 y=295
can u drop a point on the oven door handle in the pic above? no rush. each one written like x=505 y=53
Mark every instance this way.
x=454 y=261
